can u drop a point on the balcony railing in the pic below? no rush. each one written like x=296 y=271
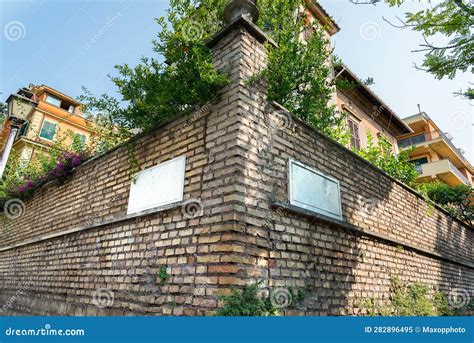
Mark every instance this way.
x=460 y=175
x=427 y=137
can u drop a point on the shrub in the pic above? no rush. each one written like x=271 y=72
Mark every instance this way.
x=457 y=200
x=247 y=302
x=396 y=165
x=183 y=76
x=412 y=299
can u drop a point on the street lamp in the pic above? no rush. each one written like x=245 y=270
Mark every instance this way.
x=19 y=108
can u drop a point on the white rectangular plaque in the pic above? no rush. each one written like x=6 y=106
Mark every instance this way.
x=157 y=186
x=312 y=190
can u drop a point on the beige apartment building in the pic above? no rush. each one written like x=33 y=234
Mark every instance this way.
x=366 y=112
x=54 y=115
x=435 y=156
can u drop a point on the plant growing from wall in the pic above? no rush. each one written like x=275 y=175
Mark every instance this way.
x=381 y=155
x=408 y=299
x=247 y=302
x=183 y=75
x=163 y=275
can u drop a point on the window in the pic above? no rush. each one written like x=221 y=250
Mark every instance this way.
x=80 y=138
x=418 y=164
x=157 y=186
x=24 y=130
x=354 y=131
x=311 y=190
x=71 y=109
x=403 y=143
x=48 y=130
x=53 y=101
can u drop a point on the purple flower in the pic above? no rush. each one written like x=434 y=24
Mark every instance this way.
x=30 y=184
x=76 y=161
x=21 y=189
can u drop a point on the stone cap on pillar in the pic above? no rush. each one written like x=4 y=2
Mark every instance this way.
x=241 y=13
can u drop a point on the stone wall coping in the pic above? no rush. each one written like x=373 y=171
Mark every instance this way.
x=377 y=169
x=369 y=233
x=244 y=22
x=108 y=221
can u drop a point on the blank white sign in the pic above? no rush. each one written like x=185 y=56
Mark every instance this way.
x=158 y=186
x=312 y=190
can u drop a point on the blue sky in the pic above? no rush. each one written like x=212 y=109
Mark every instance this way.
x=69 y=44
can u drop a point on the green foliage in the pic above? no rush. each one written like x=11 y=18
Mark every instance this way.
x=246 y=302
x=182 y=77
x=106 y=129
x=298 y=296
x=457 y=200
x=163 y=275
x=413 y=299
x=299 y=74
x=453 y=19
x=3 y=112
x=395 y=165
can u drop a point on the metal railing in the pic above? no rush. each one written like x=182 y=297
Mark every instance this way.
x=431 y=136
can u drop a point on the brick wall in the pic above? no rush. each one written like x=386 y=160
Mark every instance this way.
x=75 y=242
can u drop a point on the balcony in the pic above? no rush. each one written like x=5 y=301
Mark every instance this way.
x=434 y=141
x=443 y=170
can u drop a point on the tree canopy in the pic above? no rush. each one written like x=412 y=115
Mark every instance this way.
x=182 y=76
x=453 y=19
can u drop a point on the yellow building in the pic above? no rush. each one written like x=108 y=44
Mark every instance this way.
x=434 y=154
x=54 y=116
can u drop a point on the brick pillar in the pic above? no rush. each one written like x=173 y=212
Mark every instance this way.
x=240 y=51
